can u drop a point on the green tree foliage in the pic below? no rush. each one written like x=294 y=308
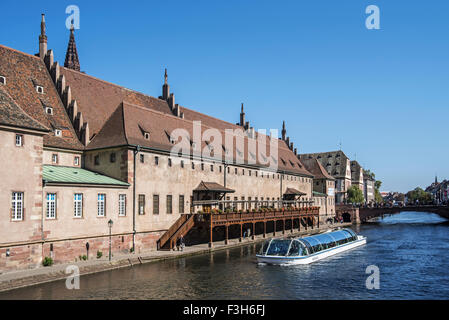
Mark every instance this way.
x=419 y=195
x=355 y=195
x=377 y=196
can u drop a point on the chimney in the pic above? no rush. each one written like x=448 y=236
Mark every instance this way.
x=171 y=101
x=246 y=127
x=284 y=132
x=42 y=39
x=287 y=141
x=291 y=146
x=296 y=151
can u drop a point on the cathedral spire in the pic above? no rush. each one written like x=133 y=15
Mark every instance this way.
x=42 y=39
x=71 y=57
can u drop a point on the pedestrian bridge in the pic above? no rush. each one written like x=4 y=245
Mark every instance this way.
x=367 y=213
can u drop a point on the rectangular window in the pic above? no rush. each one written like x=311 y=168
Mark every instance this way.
x=142 y=158
x=54 y=158
x=112 y=157
x=141 y=204
x=51 y=206
x=101 y=205
x=155 y=204
x=76 y=161
x=97 y=160
x=169 y=204
x=156 y=161
x=212 y=168
x=19 y=140
x=169 y=162
x=193 y=165
x=17 y=206
x=202 y=166
x=181 y=204
x=78 y=205
x=182 y=164
x=122 y=205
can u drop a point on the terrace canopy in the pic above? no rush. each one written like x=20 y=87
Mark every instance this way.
x=293 y=194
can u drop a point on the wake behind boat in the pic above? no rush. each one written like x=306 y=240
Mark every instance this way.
x=309 y=249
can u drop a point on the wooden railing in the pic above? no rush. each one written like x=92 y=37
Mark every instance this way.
x=229 y=218
x=182 y=231
x=172 y=230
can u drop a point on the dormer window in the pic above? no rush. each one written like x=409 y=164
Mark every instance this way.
x=146 y=135
x=48 y=110
x=40 y=89
x=58 y=133
x=2 y=80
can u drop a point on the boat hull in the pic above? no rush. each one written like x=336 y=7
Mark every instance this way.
x=311 y=258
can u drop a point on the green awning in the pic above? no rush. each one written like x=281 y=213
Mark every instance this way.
x=70 y=175
x=319 y=194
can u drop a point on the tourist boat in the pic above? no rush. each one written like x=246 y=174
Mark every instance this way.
x=309 y=249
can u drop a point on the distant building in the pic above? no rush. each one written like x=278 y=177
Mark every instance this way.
x=323 y=187
x=357 y=175
x=337 y=164
x=369 y=188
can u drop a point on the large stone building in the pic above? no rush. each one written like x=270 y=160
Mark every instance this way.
x=337 y=164
x=79 y=152
x=369 y=184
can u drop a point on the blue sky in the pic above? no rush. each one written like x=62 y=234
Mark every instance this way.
x=383 y=93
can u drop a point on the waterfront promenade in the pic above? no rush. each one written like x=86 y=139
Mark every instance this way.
x=24 y=278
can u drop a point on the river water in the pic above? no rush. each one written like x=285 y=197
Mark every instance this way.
x=410 y=249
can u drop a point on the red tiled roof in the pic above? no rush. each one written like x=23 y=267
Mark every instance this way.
x=12 y=115
x=125 y=127
x=23 y=72
x=98 y=99
x=316 y=168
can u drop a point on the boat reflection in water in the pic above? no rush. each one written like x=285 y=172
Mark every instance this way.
x=309 y=249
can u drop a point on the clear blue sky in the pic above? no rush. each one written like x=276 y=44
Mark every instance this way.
x=383 y=93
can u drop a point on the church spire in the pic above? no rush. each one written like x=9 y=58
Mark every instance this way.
x=165 y=87
x=42 y=39
x=71 y=57
x=242 y=117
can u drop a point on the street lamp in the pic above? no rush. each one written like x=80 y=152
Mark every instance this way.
x=110 y=223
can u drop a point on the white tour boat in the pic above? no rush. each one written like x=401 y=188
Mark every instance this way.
x=309 y=249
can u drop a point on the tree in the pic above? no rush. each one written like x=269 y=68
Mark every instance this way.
x=355 y=195
x=377 y=196
x=419 y=195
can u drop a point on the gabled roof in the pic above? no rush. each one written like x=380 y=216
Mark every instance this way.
x=317 y=169
x=70 y=175
x=334 y=162
x=12 y=115
x=98 y=99
x=293 y=191
x=212 y=186
x=23 y=72
x=124 y=127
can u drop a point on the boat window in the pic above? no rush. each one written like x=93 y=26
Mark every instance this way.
x=278 y=247
x=264 y=248
x=296 y=249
